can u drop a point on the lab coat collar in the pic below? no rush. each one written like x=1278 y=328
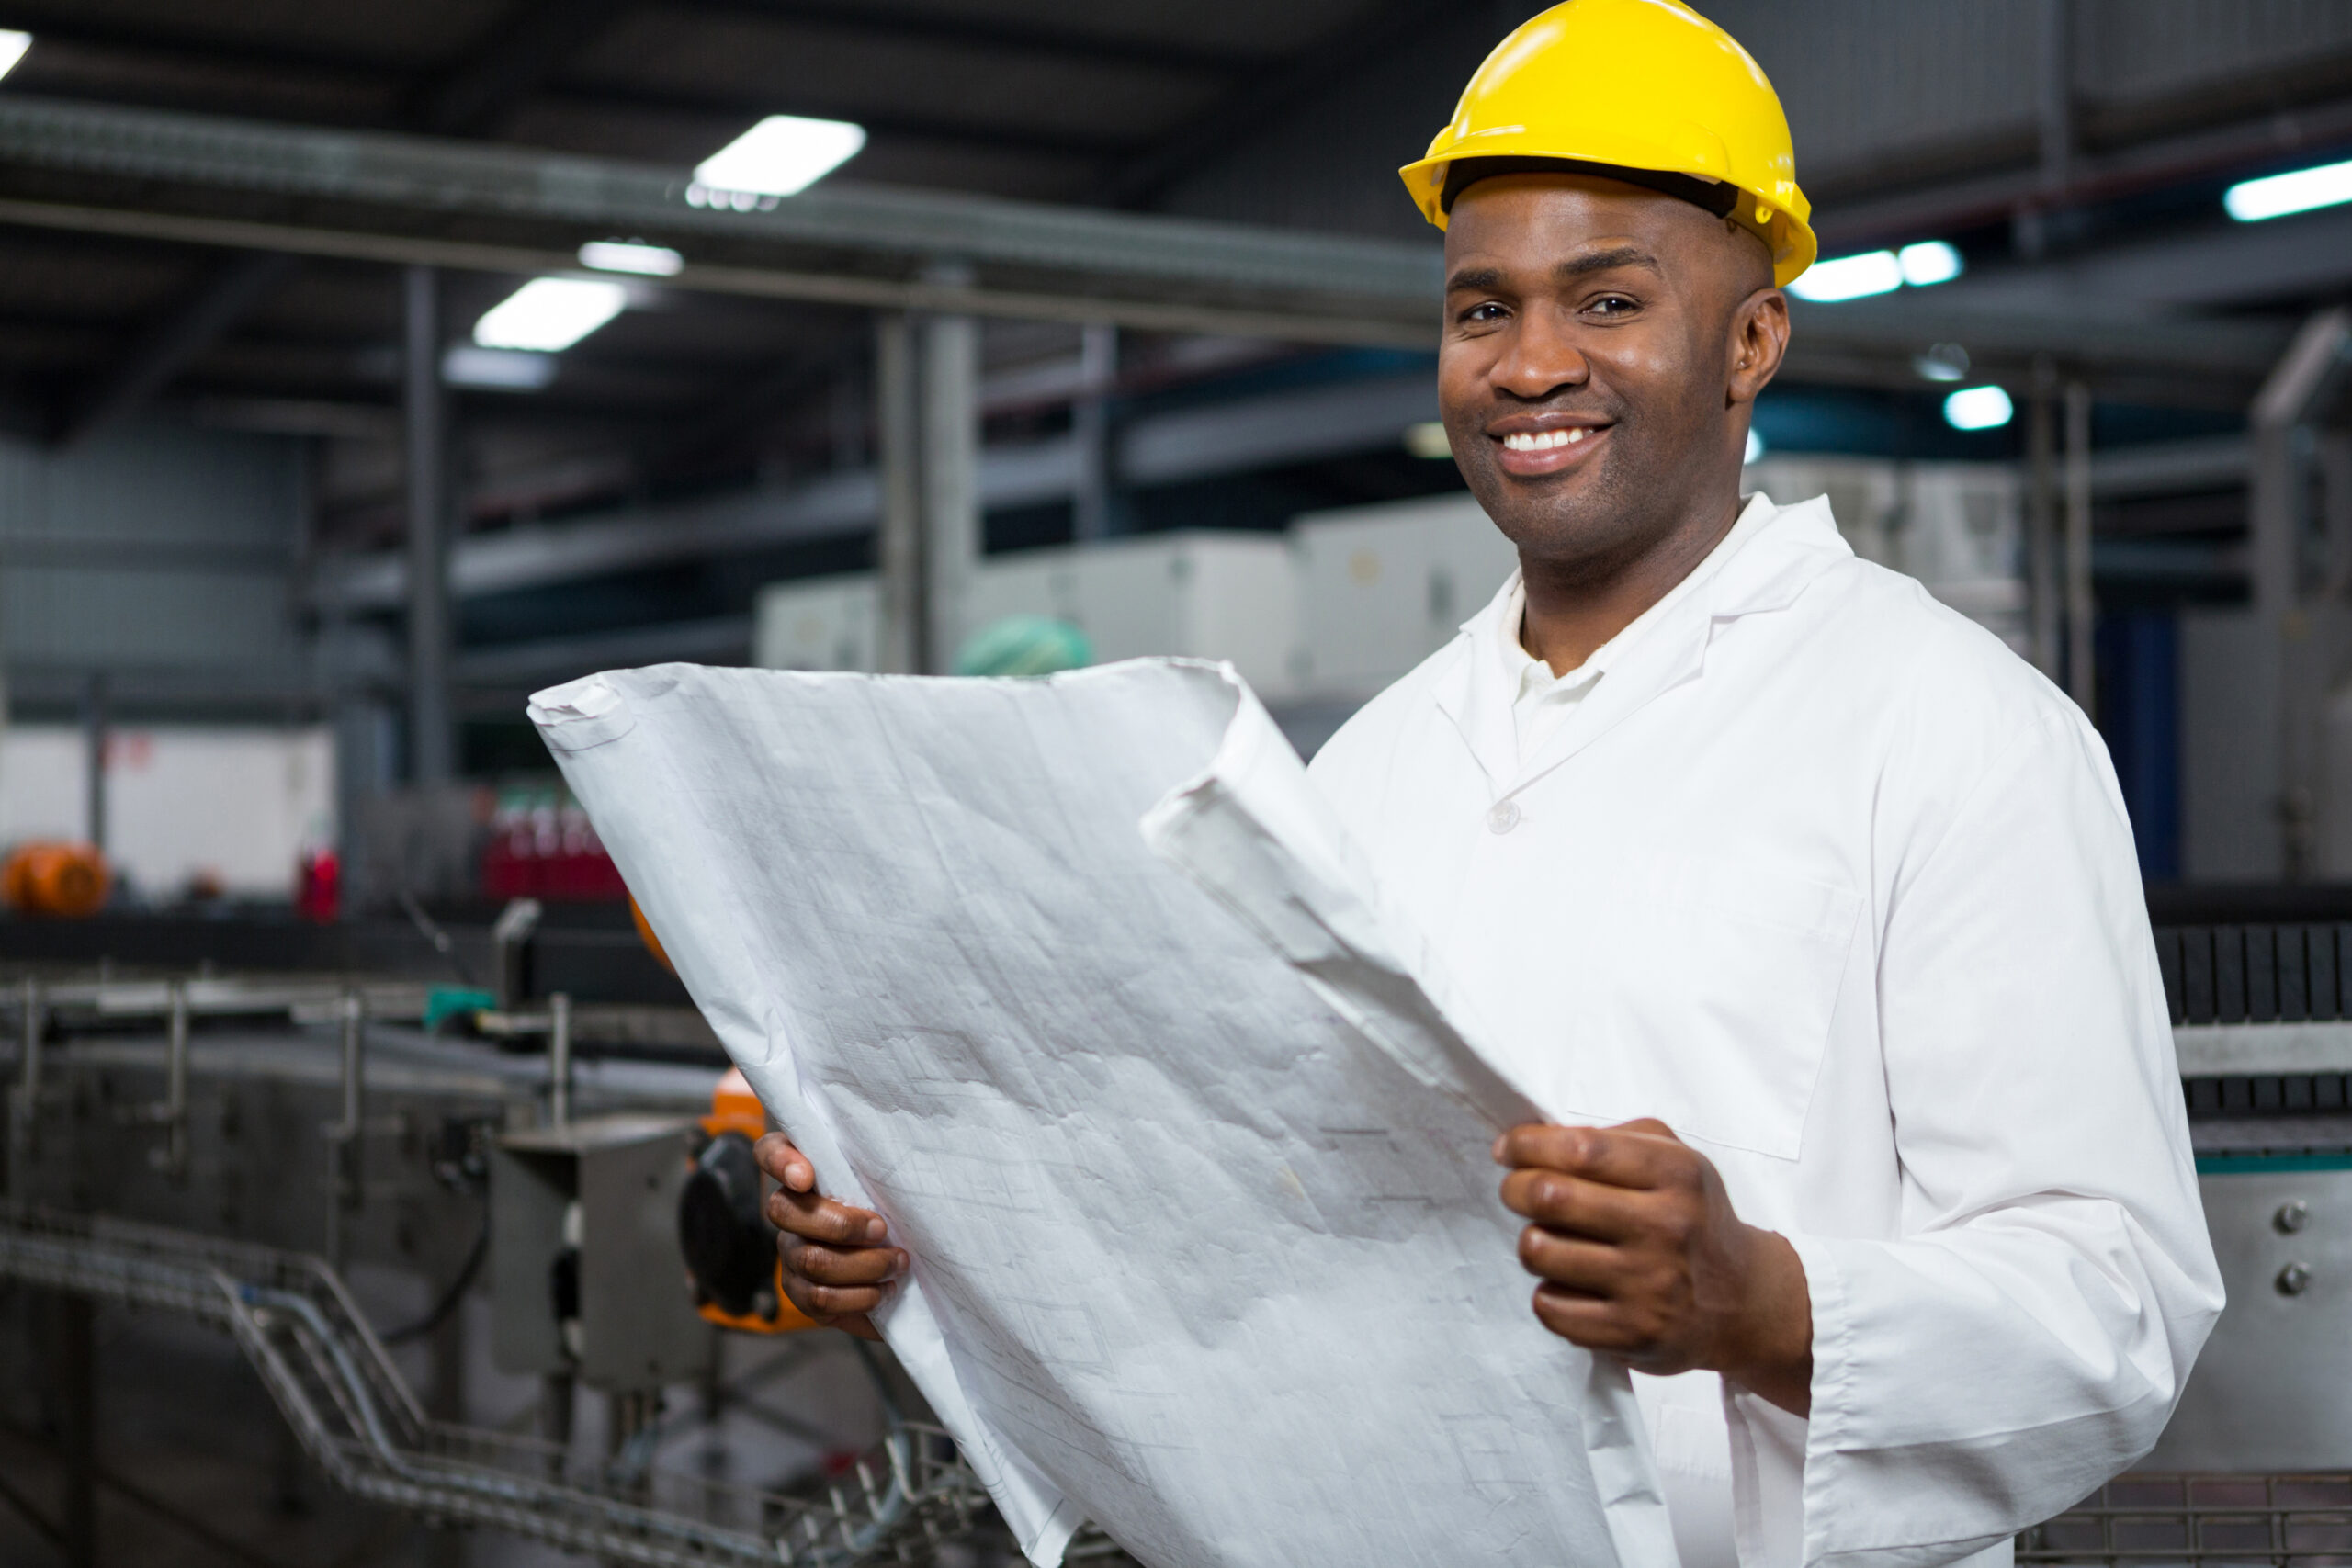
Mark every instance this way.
x=1762 y=565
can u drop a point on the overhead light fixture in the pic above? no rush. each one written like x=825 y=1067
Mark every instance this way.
x=550 y=314
x=1859 y=277
x=632 y=256
x=496 y=370
x=1427 y=439
x=783 y=155
x=1942 y=362
x=1849 y=277
x=2276 y=196
x=1755 y=448
x=1929 y=262
x=12 y=48
x=1978 y=408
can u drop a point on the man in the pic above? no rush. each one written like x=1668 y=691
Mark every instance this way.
x=1809 y=885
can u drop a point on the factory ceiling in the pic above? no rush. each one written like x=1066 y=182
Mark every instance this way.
x=1100 y=105
x=1216 y=109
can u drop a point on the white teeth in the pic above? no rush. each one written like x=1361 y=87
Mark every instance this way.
x=1543 y=440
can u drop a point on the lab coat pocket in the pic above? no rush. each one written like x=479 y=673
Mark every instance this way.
x=1727 y=976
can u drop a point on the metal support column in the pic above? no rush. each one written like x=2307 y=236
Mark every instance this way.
x=96 y=721
x=898 y=544
x=560 y=1059
x=427 y=439
x=2082 y=609
x=2041 y=520
x=927 y=407
x=949 y=355
x=172 y=1157
x=24 y=1101
x=1090 y=428
x=345 y=1172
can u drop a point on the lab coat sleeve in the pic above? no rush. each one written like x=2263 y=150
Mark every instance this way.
x=2026 y=1334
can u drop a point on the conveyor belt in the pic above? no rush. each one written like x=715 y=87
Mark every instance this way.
x=332 y=1380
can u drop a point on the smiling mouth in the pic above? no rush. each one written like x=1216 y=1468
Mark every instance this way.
x=1544 y=440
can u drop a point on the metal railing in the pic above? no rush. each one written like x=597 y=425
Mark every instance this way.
x=330 y=1378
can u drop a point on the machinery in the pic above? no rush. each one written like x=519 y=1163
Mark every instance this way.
x=731 y=1249
x=63 y=880
x=277 y=1135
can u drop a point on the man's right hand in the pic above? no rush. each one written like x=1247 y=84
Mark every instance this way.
x=836 y=1266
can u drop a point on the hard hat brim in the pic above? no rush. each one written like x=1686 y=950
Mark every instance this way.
x=1787 y=235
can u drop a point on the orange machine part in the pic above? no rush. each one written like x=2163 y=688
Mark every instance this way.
x=69 y=881
x=653 y=945
x=735 y=1108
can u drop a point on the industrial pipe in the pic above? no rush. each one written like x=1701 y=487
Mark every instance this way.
x=25 y=1140
x=343 y=1136
x=175 y=1107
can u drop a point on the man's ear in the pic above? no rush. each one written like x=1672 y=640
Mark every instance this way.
x=1759 y=341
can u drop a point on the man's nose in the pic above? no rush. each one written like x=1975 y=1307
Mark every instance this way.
x=1542 y=358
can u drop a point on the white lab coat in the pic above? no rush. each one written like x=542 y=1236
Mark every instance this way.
x=1834 y=884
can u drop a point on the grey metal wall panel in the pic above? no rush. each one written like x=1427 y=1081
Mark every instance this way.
x=110 y=618
x=154 y=481
x=157 y=545
x=1874 y=88
x=2138 y=49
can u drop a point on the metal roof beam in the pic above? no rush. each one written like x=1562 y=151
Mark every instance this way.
x=1004 y=34
x=963 y=131
x=143 y=171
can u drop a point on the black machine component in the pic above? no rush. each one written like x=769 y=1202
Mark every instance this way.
x=2288 y=973
x=730 y=1248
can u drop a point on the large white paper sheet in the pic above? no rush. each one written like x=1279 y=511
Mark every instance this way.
x=1079 y=984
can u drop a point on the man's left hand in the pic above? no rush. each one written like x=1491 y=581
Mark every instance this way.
x=1642 y=1257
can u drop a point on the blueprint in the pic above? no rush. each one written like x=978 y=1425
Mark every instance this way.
x=1079 y=983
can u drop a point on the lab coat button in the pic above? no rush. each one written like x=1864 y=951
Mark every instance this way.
x=1503 y=817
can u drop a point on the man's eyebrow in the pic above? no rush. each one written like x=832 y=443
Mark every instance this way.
x=1484 y=279
x=1606 y=261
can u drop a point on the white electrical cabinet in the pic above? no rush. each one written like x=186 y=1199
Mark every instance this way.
x=1221 y=595
x=825 y=623
x=1382 y=587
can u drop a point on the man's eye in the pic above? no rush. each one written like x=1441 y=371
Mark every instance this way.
x=1612 y=305
x=1487 y=312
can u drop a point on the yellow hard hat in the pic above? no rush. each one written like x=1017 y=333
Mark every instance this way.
x=1637 y=87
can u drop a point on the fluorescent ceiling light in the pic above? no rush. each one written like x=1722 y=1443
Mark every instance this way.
x=2278 y=195
x=549 y=313
x=12 y=48
x=496 y=370
x=782 y=155
x=1427 y=439
x=1942 y=362
x=1929 y=262
x=1755 y=447
x=1978 y=408
x=631 y=255
x=1850 y=278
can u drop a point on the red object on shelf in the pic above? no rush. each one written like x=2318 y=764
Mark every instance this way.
x=318 y=887
x=549 y=853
